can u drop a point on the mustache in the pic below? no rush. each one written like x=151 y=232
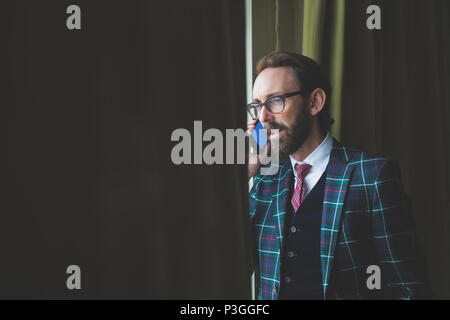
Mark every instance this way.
x=274 y=125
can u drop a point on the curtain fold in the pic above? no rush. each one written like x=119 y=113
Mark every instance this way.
x=313 y=25
x=277 y=26
x=323 y=40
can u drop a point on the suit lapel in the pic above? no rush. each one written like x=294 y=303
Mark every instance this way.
x=337 y=178
x=285 y=179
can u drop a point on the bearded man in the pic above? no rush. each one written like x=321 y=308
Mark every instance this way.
x=333 y=222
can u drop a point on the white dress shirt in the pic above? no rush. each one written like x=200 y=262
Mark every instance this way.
x=318 y=159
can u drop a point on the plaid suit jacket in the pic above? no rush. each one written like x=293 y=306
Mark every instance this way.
x=366 y=220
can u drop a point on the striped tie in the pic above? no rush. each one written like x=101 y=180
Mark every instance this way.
x=300 y=188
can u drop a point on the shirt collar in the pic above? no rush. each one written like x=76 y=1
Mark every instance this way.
x=318 y=159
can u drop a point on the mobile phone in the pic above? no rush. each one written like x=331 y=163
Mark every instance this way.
x=259 y=135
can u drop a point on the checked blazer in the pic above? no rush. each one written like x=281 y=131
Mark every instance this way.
x=366 y=220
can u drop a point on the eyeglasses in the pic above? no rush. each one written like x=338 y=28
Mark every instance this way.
x=274 y=104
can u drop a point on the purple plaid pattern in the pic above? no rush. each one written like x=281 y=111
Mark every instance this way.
x=300 y=189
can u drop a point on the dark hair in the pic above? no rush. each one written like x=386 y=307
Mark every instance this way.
x=309 y=74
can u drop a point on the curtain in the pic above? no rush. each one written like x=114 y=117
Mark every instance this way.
x=89 y=180
x=323 y=40
x=391 y=98
x=277 y=26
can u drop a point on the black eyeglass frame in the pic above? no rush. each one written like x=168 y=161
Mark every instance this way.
x=260 y=105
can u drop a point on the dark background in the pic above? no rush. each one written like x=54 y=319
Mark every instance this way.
x=87 y=177
x=86 y=119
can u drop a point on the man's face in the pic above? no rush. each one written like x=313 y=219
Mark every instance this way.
x=294 y=123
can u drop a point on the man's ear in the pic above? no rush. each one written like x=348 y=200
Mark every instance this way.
x=317 y=100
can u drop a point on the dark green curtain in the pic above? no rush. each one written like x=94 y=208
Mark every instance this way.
x=277 y=26
x=394 y=100
x=323 y=40
x=86 y=167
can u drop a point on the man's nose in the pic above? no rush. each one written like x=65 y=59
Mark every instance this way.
x=265 y=115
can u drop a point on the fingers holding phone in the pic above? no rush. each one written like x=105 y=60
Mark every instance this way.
x=257 y=132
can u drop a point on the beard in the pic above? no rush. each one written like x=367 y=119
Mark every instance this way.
x=295 y=135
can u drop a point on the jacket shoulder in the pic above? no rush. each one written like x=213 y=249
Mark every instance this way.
x=371 y=166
